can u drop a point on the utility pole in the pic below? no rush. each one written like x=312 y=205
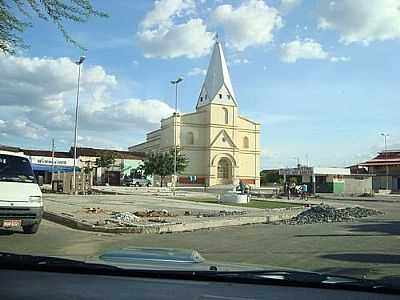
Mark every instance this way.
x=52 y=159
x=78 y=63
x=175 y=82
x=298 y=161
x=385 y=135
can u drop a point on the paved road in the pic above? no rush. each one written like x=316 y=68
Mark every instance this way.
x=369 y=247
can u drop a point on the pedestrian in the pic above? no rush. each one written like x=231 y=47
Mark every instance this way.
x=241 y=187
x=247 y=192
x=293 y=190
x=286 y=190
x=299 y=191
x=305 y=191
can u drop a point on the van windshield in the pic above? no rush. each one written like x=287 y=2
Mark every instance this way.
x=14 y=168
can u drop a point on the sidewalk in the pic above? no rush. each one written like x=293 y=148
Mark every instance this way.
x=157 y=215
x=376 y=198
x=331 y=201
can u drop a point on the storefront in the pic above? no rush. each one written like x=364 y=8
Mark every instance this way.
x=329 y=180
x=121 y=163
x=44 y=164
x=386 y=168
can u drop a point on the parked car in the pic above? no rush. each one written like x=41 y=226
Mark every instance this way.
x=137 y=182
x=20 y=196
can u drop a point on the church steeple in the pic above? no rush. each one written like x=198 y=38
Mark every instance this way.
x=217 y=86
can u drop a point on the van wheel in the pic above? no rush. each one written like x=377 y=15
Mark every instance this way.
x=30 y=229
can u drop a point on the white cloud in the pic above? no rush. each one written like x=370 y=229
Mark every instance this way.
x=297 y=49
x=339 y=58
x=133 y=113
x=27 y=81
x=189 y=39
x=196 y=71
x=42 y=93
x=24 y=128
x=165 y=10
x=250 y=24
x=164 y=34
x=360 y=20
x=287 y=5
x=238 y=61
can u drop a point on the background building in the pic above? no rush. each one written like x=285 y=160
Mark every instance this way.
x=222 y=147
x=45 y=163
x=386 y=168
x=329 y=180
x=125 y=163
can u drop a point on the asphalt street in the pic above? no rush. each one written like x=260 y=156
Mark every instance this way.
x=369 y=247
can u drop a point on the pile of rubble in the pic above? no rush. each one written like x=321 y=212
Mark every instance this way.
x=221 y=213
x=132 y=219
x=153 y=213
x=125 y=218
x=328 y=214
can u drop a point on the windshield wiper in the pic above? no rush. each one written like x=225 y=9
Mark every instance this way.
x=264 y=277
x=298 y=276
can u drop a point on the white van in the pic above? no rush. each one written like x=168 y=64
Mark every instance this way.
x=20 y=196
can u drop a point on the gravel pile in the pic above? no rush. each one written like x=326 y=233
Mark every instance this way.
x=126 y=218
x=328 y=214
x=222 y=213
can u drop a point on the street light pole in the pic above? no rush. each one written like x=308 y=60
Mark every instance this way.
x=385 y=135
x=297 y=161
x=52 y=160
x=175 y=82
x=78 y=63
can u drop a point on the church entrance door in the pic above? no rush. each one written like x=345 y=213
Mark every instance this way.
x=224 y=171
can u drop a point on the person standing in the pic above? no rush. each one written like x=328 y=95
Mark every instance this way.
x=287 y=190
x=241 y=186
x=305 y=191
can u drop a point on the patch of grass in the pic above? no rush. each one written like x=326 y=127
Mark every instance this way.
x=268 y=204
x=253 y=203
x=198 y=199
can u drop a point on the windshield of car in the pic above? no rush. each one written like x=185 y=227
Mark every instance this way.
x=259 y=134
x=14 y=168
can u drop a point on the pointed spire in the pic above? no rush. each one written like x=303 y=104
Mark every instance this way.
x=217 y=80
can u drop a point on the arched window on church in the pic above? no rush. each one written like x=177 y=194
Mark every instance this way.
x=226 y=115
x=190 y=138
x=246 y=142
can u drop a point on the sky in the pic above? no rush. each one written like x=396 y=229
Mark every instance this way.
x=322 y=77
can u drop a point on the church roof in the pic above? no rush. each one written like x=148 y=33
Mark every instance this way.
x=217 y=77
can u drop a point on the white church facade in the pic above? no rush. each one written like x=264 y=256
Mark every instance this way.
x=221 y=146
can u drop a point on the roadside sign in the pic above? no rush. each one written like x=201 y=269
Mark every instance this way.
x=296 y=171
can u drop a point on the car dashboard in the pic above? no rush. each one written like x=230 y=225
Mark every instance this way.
x=20 y=284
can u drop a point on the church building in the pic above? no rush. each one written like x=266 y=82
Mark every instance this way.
x=221 y=146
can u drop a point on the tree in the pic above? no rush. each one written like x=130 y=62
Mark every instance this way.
x=162 y=164
x=55 y=11
x=105 y=161
x=270 y=176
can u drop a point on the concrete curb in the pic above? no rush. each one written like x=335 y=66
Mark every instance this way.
x=360 y=199
x=169 y=227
